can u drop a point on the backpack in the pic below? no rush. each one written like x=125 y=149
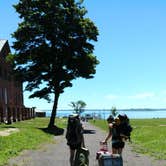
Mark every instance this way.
x=74 y=134
x=125 y=128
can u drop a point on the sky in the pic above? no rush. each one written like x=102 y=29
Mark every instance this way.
x=131 y=48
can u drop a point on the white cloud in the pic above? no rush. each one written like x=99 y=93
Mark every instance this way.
x=163 y=92
x=111 y=97
x=144 y=95
x=146 y=99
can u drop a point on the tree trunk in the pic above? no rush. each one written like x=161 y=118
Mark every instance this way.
x=54 y=110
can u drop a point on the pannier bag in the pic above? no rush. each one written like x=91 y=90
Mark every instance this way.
x=82 y=157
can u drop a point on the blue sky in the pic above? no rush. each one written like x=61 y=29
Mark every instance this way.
x=131 y=48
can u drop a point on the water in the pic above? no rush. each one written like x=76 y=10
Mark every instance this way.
x=131 y=113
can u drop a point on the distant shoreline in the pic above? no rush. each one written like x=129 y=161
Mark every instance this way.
x=131 y=109
x=104 y=113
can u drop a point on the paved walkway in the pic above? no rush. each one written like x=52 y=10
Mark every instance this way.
x=58 y=154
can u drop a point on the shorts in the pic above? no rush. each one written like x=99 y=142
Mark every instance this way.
x=118 y=144
x=75 y=146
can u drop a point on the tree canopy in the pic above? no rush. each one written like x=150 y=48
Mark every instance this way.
x=53 y=45
x=78 y=106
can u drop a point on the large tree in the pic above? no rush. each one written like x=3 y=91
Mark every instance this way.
x=53 y=46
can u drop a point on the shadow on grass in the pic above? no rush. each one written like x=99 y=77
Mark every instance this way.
x=7 y=127
x=53 y=130
x=89 y=131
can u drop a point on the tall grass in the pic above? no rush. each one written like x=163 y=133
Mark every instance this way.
x=148 y=136
x=30 y=136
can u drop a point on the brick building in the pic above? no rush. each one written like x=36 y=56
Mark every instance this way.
x=11 y=91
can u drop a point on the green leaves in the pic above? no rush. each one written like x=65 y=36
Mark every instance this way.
x=78 y=106
x=53 y=46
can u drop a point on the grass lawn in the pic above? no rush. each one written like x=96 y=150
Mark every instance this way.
x=148 y=136
x=30 y=136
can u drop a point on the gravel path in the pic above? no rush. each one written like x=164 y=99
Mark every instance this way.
x=58 y=154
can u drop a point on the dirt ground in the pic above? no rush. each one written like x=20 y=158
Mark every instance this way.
x=58 y=154
x=8 y=131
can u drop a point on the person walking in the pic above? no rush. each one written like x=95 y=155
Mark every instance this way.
x=74 y=136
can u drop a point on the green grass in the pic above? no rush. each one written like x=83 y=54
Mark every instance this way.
x=30 y=136
x=148 y=136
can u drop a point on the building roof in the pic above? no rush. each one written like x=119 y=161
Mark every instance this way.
x=2 y=43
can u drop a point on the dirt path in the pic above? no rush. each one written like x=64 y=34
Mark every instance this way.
x=57 y=154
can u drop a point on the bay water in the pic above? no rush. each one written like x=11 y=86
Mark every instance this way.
x=104 y=113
